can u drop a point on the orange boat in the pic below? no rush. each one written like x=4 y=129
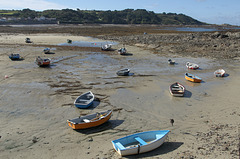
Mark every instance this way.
x=91 y=120
x=42 y=62
x=192 y=78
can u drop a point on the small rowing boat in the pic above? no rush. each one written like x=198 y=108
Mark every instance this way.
x=123 y=72
x=84 y=100
x=192 y=78
x=192 y=66
x=177 y=89
x=90 y=120
x=42 y=62
x=219 y=73
x=171 y=62
x=140 y=142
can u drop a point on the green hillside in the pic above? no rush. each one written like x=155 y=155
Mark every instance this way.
x=127 y=16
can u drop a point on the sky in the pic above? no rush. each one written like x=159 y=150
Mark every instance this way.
x=209 y=11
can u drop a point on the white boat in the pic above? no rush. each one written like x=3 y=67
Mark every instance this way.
x=192 y=66
x=106 y=47
x=219 y=73
x=122 y=51
x=84 y=100
x=177 y=89
x=140 y=142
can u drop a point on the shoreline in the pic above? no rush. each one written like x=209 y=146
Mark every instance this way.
x=37 y=102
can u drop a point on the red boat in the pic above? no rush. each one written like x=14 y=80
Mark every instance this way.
x=192 y=66
x=43 y=62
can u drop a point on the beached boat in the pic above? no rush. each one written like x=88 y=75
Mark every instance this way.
x=123 y=72
x=84 y=100
x=27 y=40
x=14 y=56
x=42 y=62
x=46 y=50
x=91 y=120
x=106 y=47
x=140 y=142
x=171 y=62
x=122 y=51
x=192 y=66
x=192 y=78
x=177 y=89
x=69 y=41
x=219 y=73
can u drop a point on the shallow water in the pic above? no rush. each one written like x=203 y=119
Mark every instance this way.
x=93 y=43
x=189 y=29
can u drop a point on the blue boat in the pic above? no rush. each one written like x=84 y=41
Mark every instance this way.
x=46 y=50
x=84 y=100
x=14 y=56
x=140 y=142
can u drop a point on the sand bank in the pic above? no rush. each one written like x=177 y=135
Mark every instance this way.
x=36 y=102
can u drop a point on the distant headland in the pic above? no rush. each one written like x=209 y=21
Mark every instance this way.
x=70 y=16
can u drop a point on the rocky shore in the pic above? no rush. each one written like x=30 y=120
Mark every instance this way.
x=214 y=45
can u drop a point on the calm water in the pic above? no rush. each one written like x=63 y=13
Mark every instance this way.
x=88 y=44
x=189 y=29
x=198 y=29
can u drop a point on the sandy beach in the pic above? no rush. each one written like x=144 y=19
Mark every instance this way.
x=35 y=102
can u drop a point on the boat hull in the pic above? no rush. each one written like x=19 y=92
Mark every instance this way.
x=219 y=73
x=124 y=72
x=43 y=62
x=192 y=78
x=78 y=123
x=171 y=62
x=140 y=142
x=192 y=66
x=14 y=57
x=177 y=91
x=85 y=100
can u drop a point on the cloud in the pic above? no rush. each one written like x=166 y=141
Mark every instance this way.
x=31 y=4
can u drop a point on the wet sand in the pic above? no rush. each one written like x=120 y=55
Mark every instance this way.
x=36 y=102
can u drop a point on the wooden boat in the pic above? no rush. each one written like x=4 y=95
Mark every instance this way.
x=14 y=56
x=42 y=62
x=219 y=73
x=122 y=51
x=123 y=72
x=192 y=78
x=106 y=47
x=46 y=50
x=171 y=62
x=84 y=100
x=140 y=142
x=192 y=66
x=91 y=120
x=27 y=40
x=177 y=89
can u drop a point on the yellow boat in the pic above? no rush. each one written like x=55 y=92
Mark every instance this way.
x=192 y=78
x=91 y=120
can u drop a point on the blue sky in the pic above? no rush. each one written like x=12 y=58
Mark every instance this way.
x=210 y=11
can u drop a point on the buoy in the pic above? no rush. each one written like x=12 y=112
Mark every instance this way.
x=6 y=76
